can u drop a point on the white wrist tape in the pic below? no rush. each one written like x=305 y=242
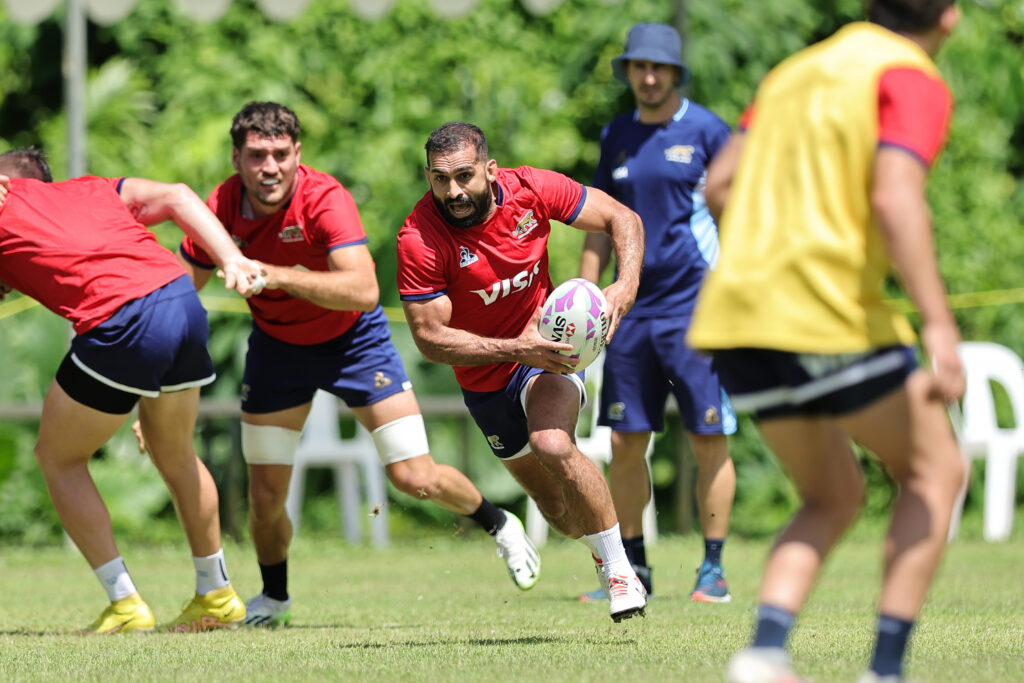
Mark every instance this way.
x=401 y=439
x=269 y=445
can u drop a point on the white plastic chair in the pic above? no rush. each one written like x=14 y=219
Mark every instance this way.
x=597 y=446
x=981 y=436
x=351 y=458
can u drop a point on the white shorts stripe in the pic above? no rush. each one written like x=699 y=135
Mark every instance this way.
x=111 y=383
x=816 y=388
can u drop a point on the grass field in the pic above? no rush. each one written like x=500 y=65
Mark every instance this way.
x=441 y=608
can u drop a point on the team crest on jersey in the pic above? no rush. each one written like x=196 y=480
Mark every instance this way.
x=495 y=442
x=245 y=392
x=617 y=411
x=525 y=225
x=466 y=257
x=711 y=416
x=380 y=380
x=239 y=242
x=620 y=173
x=293 y=233
x=682 y=154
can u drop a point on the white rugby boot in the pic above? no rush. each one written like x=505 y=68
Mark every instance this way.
x=520 y=555
x=626 y=594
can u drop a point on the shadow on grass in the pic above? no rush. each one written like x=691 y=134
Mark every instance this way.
x=483 y=642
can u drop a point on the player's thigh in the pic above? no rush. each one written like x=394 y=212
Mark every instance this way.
x=399 y=433
x=168 y=422
x=387 y=410
x=290 y=418
x=71 y=432
x=817 y=455
x=908 y=430
x=552 y=407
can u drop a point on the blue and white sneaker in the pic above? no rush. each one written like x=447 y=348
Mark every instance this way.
x=711 y=585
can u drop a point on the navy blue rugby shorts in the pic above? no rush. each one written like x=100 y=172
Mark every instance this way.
x=773 y=383
x=647 y=359
x=153 y=344
x=501 y=414
x=361 y=367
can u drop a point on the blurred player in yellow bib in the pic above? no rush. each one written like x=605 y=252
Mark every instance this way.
x=823 y=192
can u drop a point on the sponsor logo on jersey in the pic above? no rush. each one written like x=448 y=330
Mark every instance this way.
x=509 y=285
x=380 y=380
x=293 y=233
x=466 y=258
x=525 y=225
x=617 y=411
x=495 y=442
x=245 y=392
x=682 y=154
x=711 y=416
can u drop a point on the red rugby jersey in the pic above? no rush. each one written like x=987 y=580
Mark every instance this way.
x=74 y=247
x=320 y=216
x=495 y=273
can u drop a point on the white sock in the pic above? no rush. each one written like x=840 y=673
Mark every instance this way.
x=585 y=540
x=115 y=579
x=211 y=573
x=608 y=549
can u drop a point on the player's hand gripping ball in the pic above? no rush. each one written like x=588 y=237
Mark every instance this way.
x=574 y=314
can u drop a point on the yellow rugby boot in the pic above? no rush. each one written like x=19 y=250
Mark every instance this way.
x=221 y=608
x=127 y=615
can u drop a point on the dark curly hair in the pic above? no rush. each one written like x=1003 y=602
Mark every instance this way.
x=26 y=162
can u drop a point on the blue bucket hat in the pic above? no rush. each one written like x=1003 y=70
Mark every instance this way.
x=658 y=43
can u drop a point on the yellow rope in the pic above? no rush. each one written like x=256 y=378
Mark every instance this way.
x=231 y=304
x=14 y=306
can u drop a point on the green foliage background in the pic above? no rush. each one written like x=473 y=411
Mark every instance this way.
x=163 y=89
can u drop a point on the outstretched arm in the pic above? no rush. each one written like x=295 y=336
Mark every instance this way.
x=899 y=203
x=350 y=285
x=603 y=214
x=152 y=202
x=441 y=343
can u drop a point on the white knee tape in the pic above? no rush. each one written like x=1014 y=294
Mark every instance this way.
x=401 y=439
x=269 y=445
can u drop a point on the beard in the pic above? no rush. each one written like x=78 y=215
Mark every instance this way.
x=481 y=207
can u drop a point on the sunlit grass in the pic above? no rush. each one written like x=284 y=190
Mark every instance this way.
x=442 y=608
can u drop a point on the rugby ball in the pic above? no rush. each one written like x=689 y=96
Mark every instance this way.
x=574 y=314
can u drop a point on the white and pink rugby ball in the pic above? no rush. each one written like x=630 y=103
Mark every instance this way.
x=574 y=314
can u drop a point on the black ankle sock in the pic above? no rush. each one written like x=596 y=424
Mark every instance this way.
x=635 y=551
x=489 y=516
x=890 y=646
x=773 y=626
x=713 y=551
x=275 y=580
